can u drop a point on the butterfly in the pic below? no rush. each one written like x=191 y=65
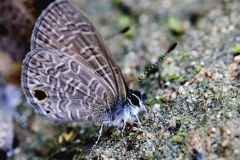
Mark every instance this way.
x=70 y=76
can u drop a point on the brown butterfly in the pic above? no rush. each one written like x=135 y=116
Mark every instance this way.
x=69 y=74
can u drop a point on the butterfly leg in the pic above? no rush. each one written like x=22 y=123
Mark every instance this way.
x=98 y=139
x=123 y=127
x=138 y=120
x=99 y=134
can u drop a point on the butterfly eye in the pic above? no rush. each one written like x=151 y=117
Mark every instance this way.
x=40 y=94
x=135 y=100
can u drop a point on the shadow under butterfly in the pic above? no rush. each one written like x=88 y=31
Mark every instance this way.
x=70 y=76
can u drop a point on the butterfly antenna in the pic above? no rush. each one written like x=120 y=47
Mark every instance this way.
x=169 y=50
x=124 y=30
x=121 y=32
x=171 y=47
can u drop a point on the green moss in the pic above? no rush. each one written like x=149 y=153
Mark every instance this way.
x=116 y=2
x=127 y=21
x=236 y=49
x=150 y=101
x=184 y=56
x=175 y=77
x=179 y=138
x=150 y=69
x=175 y=26
x=198 y=68
x=132 y=136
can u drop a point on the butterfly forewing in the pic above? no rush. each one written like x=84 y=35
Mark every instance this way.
x=63 y=27
x=62 y=88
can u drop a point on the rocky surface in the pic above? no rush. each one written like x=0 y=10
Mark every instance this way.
x=193 y=92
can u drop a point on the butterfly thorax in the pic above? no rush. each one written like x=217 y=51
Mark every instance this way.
x=128 y=111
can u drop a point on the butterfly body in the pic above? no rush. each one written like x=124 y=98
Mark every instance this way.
x=69 y=74
x=128 y=111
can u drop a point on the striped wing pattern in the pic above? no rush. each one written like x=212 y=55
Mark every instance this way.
x=63 y=27
x=73 y=91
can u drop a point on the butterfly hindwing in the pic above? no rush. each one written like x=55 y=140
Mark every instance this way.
x=61 y=26
x=63 y=89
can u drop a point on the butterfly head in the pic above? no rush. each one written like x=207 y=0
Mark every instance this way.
x=129 y=111
x=137 y=99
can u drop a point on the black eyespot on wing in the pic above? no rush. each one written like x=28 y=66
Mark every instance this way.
x=40 y=94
